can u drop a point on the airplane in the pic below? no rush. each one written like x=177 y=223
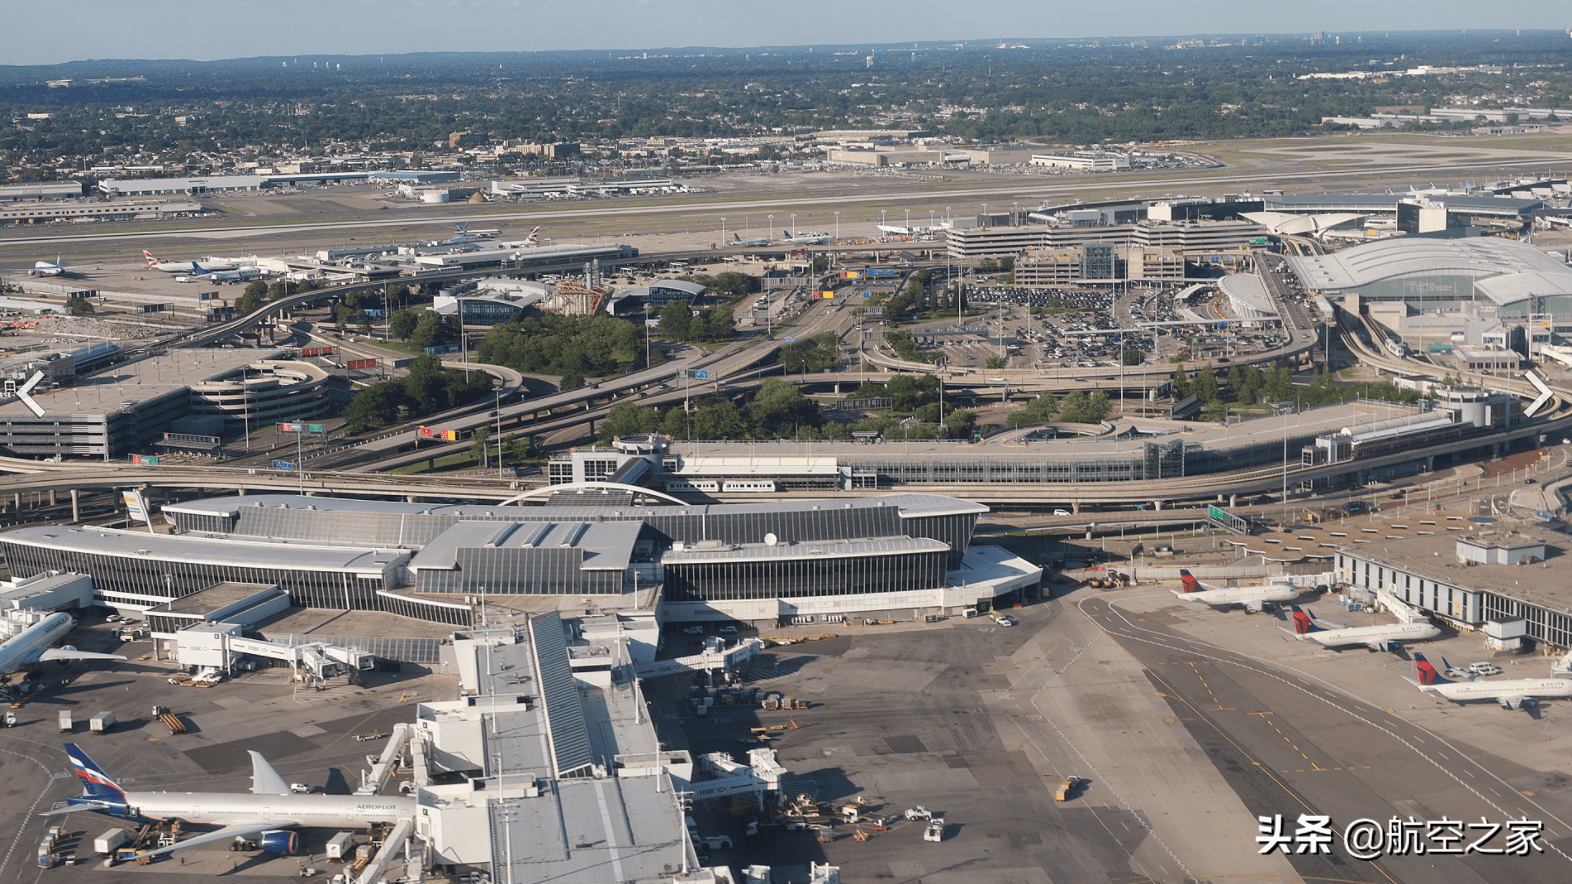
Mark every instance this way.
x=268 y=813
x=32 y=645
x=44 y=268
x=1511 y=693
x=202 y=274
x=1253 y=598
x=533 y=238
x=1307 y=627
x=737 y=240
x=806 y=239
x=153 y=263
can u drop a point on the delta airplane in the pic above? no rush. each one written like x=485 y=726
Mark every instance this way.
x=153 y=263
x=1307 y=627
x=1253 y=598
x=267 y=813
x=32 y=645
x=1511 y=693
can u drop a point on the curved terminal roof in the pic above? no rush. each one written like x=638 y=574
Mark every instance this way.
x=1284 y=222
x=1248 y=295
x=1482 y=258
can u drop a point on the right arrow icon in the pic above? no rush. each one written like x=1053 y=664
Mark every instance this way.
x=1544 y=394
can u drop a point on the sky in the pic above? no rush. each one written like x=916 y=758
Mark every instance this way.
x=217 y=29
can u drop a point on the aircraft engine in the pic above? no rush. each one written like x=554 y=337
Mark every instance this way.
x=280 y=841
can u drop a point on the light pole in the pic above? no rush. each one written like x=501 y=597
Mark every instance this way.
x=499 y=430
x=770 y=233
x=723 y=231
x=793 y=230
x=837 y=226
x=908 y=222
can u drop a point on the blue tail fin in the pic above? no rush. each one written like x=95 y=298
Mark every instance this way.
x=99 y=785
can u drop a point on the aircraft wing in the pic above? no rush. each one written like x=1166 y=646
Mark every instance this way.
x=74 y=654
x=229 y=832
x=76 y=808
x=1516 y=701
x=264 y=779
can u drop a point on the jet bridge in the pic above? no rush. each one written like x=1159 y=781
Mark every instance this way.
x=384 y=765
x=320 y=659
x=761 y=774
x=714 y=657
x=396 y=841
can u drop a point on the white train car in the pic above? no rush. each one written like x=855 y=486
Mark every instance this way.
x=692 y=485
x=748 y=486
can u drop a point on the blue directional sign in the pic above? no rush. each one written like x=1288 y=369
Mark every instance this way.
x=284 y=465
x=790 y=340
x=701 y=375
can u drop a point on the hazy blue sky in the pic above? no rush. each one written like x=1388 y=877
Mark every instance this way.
x=79 y=29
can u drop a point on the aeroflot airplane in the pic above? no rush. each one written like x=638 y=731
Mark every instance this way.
x=1511 y=693
x=32 y=645
x=267 y=814
x=1307 y=627
x=1252 y=597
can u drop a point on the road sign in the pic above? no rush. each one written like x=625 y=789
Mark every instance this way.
x=146 y=460
x=316 y=428
x=289 y=428
x=790 y=340
x=701 y=375
x=284 y=465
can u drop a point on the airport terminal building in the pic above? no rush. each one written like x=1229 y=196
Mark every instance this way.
x=761 y=562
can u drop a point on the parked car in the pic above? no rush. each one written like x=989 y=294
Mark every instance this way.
x=693 y=630
x=1484 y=668
x=729 y=629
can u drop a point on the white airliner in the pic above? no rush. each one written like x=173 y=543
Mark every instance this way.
x=1250 y=597
x=1307 y=627
x=44 y=268
x=206 y=264
x=737 y=240
x=267 y=813
x=817 y=238
x=32 y=645
x=1511 y=693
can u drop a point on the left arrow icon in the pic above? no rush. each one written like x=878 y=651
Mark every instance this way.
x=22 y=391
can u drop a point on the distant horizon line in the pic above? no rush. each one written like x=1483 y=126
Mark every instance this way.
x=806 y=48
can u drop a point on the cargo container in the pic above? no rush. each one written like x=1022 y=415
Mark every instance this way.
x=341 y=846
x=65 y=722
x=106 y=843
x=101 y=723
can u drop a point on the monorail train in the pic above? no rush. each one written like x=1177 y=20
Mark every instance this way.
x=748 y=486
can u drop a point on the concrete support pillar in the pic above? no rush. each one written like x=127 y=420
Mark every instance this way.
x=76 y=510
x=1157 y=505
x=52 y=500
x=409 y=498
x=837 y=388
x=17 y=501
x=1075 y=507
x=1233 y=500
